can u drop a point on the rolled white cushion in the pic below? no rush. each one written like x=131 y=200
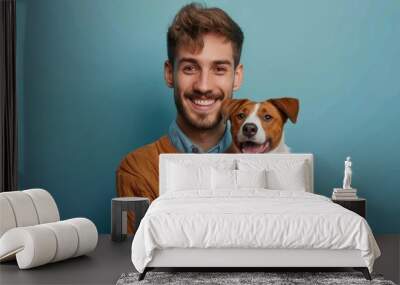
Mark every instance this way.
x=41 y=244
x=33 y=246
x=23 y=208
x=87 y=233
x=26 y=208
x=45 y=205
x=7 y=218
x=67 y=240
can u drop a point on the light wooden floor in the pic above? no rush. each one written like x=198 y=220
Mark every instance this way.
x=110 y=260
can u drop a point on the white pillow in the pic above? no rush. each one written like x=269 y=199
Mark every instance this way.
x=282 y=174
x=288 y=179
x=228 y=179
x=223 y=179
x=181 y=177
x=251 y=178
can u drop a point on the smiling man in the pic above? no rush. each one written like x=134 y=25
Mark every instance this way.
x=203 y=68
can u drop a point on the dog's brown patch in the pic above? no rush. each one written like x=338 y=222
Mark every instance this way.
x=274 y=126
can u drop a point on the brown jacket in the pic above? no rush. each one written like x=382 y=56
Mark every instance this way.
x=137 y=174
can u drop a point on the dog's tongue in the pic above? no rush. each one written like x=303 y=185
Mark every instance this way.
x=253 y=148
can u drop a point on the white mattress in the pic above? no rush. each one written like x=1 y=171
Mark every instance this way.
x=251 y=218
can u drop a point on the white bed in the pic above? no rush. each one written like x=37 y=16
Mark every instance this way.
x=202 y=220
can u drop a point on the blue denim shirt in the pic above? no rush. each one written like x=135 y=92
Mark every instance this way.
x=182 y=143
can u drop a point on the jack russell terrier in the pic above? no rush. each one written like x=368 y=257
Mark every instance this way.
x=257 y=127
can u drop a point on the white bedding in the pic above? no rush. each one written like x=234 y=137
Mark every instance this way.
x=251 y=218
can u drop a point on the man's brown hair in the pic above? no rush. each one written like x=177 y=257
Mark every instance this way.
x=195 y=20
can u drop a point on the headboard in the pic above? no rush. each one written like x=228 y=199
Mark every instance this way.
x=213 y=159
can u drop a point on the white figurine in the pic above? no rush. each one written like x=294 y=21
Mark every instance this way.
x=347 y=174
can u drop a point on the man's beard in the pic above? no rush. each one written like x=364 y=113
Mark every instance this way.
x=202 y=122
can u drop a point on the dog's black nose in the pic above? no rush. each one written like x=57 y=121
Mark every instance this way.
x=249 y=129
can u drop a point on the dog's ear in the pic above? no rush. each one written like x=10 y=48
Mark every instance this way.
x=288 y=106
x=230 y=106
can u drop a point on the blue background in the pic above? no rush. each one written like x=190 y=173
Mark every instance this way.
x=91 y=89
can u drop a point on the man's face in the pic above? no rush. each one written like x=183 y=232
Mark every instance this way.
x=203 y=80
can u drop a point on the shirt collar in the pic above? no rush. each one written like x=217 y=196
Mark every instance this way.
x=182 y=143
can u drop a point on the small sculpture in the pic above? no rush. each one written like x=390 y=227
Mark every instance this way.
x=347 y=173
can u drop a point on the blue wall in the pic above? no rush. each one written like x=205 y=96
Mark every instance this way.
x=90 y=90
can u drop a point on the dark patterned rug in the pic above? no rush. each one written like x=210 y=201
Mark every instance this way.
x=230 y=278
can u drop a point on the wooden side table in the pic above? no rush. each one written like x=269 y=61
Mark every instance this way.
x=119 y=212
x=357 y=205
